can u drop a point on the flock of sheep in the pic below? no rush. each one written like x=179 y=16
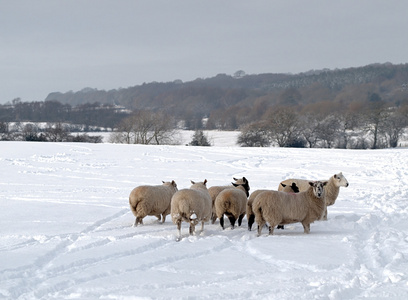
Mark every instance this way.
x=296 y=200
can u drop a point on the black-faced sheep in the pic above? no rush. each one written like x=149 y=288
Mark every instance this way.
x=292 y=188
x=250 y=213
x=215 y=190
x=191 y=205
x=274 y=207
x=332 y=188
x=151 y=200
x=232 y=203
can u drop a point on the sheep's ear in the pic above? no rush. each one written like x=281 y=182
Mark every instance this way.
x=234 y=178
x=234 y=184
x=162 y=181
x=192 y=182
x=205 y=181
x=324 y=183
x=244 y=179
x=282 y=184
x=311 y=183
x=335 y=176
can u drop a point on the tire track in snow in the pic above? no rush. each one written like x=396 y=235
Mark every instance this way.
x=158 y=262
x=38 y=272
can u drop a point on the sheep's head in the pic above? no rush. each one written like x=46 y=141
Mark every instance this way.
x=293 y=188
x=340 y=180
x=171 y=184
x=242 y=181
x=318 y=188
x=196 y=185
x=245 y=186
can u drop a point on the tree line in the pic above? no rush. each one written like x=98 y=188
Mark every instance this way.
x=50 y=132
x=379 y=126
x=228 y=102
x=375 y=125
x=87 y=114
x=362 y=107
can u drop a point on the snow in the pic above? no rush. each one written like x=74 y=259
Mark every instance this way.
x=66 y=227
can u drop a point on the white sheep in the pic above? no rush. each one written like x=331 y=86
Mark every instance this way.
x=250 y=213
x=275 y=207
x=151 y=200
x=191 y=205
x=332 y=188
x=215 y=190
x=232 y=203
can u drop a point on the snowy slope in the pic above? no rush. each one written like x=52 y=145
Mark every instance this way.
x=66 y=228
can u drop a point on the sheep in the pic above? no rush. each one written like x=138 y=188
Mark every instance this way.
x=332 y=188
x=232 y=203
x=293 y=188
x=250 y=213
x=151 y=200
x=191 y=205
x=276 y=207
x=215 y=190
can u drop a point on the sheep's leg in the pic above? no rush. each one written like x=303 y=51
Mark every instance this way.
x=202 y=226
x=139 y=220
x=213 y=218
x=325 y=215
x=192 y=228
x=306 y=227
x=222 y=221
x=232 y=220
x=271 y=229
x=163 y=219
x=240 y=219
x=251 y=220
x=179 y=229
x=158 y=217
x=260 y=225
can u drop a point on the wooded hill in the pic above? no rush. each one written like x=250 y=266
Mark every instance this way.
x=230 y=101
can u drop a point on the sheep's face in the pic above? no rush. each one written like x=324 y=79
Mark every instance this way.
x=318 y=188
x=340 y=180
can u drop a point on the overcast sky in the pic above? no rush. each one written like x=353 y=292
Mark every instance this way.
x=49 y=45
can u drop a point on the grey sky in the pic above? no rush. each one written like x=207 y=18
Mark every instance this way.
x=48 y=45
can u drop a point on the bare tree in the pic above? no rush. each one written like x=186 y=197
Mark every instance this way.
x=164 y=131
x=55 y=132
x=4 y=131
x=30 y=132
x=376 y=115
x=284 y=126
x=328 y=130
x=254 y=135
x=146 y=127
x=309 y=127
x=394 y=126
x=348 y=122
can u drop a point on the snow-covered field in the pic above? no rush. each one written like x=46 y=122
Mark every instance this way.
x=66 y=228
